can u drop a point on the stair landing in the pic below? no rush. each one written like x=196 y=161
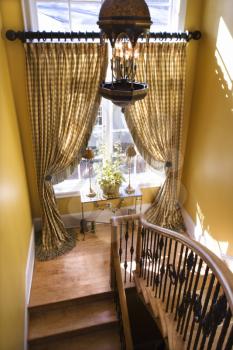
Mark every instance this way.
x=83 y=271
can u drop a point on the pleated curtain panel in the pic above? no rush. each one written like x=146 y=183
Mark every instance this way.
x=156 y=124
x=63 y=83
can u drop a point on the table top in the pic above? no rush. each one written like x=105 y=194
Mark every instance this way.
x=100 y=197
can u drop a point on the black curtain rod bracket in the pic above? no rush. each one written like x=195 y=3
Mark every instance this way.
x=29 y=36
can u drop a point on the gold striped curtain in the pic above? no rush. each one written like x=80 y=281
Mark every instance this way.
x=156 y=124
x=63 y=83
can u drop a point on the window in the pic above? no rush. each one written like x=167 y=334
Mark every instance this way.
x=82 y=15
x=110 y=128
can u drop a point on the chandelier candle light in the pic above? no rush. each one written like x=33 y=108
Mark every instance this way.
x=89 y=155
x=123 y=22
x=130 y=153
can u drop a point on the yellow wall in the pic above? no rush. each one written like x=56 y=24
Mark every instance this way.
x=15 y=218
x=208 y=170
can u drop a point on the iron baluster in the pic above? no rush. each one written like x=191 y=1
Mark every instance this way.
x=145 y=262
x=131 y=250
x=153 y=258
x=158 y=277
x=173 y=273
x=120 y=249
x=142 y=252
x=181 y=279
x=155 y=276
x=185 y=296
x=209 y=291
x=229 y=344
x=197 y=307
x=224 y=330
x=150 y=257
x=162 y=270
x=193 y=298
x=189 y=295
x=126 y=248
x=168 y=260
x=177 y=280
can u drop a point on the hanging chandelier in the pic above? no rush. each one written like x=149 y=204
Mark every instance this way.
x=122 y=22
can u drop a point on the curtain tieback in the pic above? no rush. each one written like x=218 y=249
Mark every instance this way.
x=168 y=164
x=48 y=177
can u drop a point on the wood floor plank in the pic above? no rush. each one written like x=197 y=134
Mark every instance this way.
x=83 y=271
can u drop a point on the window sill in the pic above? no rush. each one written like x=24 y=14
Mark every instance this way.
x=73 y=188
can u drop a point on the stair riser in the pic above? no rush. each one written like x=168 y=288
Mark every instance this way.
x=68 y=334
x=67 y=303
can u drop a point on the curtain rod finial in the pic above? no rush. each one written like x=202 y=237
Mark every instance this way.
x=11 y=35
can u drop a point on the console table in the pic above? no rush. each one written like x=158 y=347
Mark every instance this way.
x=101 y=202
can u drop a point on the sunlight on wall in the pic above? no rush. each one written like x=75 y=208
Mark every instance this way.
x=203 y=235
x=223 y=53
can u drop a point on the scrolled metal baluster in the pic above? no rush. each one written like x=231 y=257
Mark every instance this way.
x=189 y=311
x=229 y=344
x=219 y=313
x=186 y=295
x=153 y=258
x=224 y=330
x=197 y=307
x=150 y=258
x=158 y=277
x=142 y=257
x=181 y=278
x=126 y=248
x=166 y=274
x=172 y=276
x=189 y=294
x=146 y=255
x=209 y=291
x=177 y=280
x=120 y=248
x=162 y=269
x=156 y=257
x=131 y=250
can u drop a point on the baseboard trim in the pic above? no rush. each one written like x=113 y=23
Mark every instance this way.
x=101 y=216
x=28 y=282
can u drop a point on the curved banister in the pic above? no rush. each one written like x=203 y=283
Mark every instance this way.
x=218 y=267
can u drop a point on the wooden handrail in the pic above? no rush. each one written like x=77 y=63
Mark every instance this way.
x=218 y=267
x=115 y=261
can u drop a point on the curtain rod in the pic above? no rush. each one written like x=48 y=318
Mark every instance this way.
x=24 y=36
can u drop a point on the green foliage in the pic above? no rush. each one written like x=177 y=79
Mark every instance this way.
x=111 y=174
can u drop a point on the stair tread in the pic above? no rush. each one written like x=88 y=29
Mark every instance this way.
x=107 y=339
x=74 y=317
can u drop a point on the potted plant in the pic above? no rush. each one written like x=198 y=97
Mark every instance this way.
x=110 y=179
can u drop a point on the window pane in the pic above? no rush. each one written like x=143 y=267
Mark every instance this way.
x=85 y=15
x=160 y=14
x=118 y=119
x=53 y=16
x=124 y=138
x=141 y=166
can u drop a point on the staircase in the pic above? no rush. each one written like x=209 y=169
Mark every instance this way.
x=145 y=333
x=84 y=323
x=186 y=288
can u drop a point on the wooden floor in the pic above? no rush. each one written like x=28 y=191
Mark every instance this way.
x=84 y=271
